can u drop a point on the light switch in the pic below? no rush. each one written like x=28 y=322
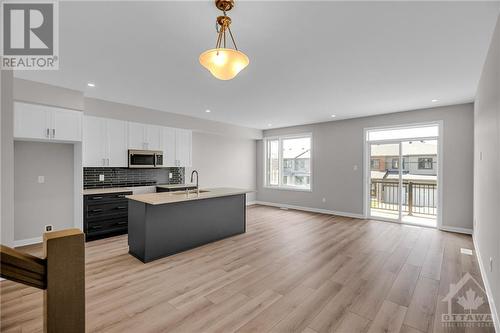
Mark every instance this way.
x=101 y=178
x=41 y=179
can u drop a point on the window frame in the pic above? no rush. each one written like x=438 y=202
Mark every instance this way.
x=280 y=139
x=426 y=161
x=375 y=160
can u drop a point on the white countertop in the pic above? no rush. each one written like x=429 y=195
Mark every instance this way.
x=148 y=188
x=92 y=191
x=172 y=197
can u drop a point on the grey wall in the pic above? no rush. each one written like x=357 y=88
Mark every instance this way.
x=39 y=93
x=338 y=147
x=35 y=204
x=224 y=162
x=487 y=168
x=7 y=159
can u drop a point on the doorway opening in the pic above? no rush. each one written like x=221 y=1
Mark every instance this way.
x=402 y=173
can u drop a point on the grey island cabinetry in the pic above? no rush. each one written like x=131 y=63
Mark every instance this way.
x=162 y=224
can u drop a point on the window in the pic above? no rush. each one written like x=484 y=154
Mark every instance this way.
x=395 y=163
x=288 y=162
x=375 y=164
x=425 y=163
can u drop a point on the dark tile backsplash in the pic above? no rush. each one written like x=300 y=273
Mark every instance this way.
x=121 y=177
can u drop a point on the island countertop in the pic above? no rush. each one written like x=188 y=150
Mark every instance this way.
x=172 y=197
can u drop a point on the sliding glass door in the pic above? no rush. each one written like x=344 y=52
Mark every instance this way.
x=402 y=174
x=385 y=191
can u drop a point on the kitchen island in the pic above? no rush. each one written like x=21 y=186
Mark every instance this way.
x=162 y=224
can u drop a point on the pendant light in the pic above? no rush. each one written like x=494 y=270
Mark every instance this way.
x=224 y=63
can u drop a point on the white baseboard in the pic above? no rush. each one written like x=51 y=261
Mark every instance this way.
x=456 y=229
x=309 y=209
x=29 y=241
x=487 y=287
x=251 y=203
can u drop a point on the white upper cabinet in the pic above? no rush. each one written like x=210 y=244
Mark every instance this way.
x=67 y=125
x=117 y=143
x=144 y=136
x=153 y=137
x=40 y=122
x=168 y=147
x=136 y=136
x=104 y=142
x=94 y=142
x=183 y=147
x=176 y=146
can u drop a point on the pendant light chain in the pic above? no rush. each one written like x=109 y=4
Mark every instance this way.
x=224 y=23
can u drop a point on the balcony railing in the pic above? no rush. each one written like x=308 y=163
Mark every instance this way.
x=418 y=197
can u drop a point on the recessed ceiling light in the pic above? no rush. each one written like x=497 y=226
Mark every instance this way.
x=90 y=84
x=333 y=116
x=207 y=111
x=434 y=100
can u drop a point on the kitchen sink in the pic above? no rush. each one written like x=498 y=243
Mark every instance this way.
x=190 y=192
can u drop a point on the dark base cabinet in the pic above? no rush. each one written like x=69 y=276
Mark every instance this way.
x=105 y=215
x=157 y=231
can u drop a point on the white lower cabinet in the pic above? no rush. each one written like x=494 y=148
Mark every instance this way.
x=104 y=142
x=43 y=123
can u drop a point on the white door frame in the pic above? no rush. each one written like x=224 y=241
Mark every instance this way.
x=366 y=168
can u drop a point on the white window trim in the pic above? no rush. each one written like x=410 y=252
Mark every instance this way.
x=280 y=138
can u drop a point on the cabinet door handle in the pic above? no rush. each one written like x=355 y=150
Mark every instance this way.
x=53 y=132
x=120 y=196
x=47 y=133
x=104 y=162
x=108 y=161
x=96 y=227
x=96 y=210
x=96 y=198
x=121 y=207
x=121 y=223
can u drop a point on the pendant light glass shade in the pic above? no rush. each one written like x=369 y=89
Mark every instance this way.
x=224 y=63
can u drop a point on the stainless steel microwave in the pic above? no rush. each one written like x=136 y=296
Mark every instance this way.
x=145 y=158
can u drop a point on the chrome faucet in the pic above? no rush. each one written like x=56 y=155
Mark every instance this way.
x=197 y=177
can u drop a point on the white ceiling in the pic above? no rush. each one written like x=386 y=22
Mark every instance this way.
x=308 y=60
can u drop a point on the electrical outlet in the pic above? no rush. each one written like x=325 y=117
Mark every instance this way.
x=101 y=178
x=41 y=179
x=491 y=264
x=48 y=227
x=170 y=175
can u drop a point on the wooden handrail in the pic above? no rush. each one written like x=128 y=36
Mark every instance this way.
x=23 y=268
x=61 y=274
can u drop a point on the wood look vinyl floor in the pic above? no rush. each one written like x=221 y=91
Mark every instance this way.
x=291 y=271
